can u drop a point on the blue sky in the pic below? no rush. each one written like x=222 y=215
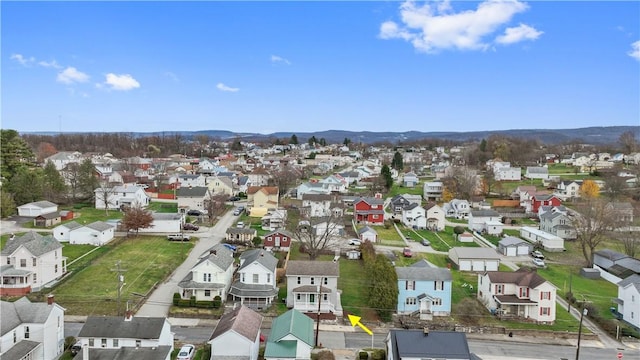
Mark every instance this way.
x=270 y=66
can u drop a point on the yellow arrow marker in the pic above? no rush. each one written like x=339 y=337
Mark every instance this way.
x=355 y=320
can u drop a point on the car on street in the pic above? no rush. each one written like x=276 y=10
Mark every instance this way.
x=178 y=237
x=239 y=210
x=538 y=262
x=240 y=224
x=406 y=252
x=537 y=254
x=355 y=242
x=186 y=352
x=234 y=198
x=425 y=242
x=194 y=212
x=190 y=226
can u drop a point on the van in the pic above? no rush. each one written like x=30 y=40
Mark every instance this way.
x=240 y=224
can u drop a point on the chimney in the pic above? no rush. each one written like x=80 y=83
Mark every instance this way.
x=425 y=331
x=128 y=315
x=50 y=299
x=85 y=352
x=213 y=252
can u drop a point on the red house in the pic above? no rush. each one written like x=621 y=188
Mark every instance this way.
x=544 y=200
x=278 y=240
x=369 y=210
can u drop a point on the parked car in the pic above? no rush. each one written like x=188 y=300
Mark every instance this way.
x=186 y=352
x=76 y=348
x=538 y=262
x=194 y=212
x=537 y=254
x=240 y=224
x=178 y=237
x=406 y=252
x=234 y=198
x=425 y=242
x=355 y=242
x=190 y=226
x=239 y=210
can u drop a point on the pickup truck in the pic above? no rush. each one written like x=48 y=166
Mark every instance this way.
x=178 y=237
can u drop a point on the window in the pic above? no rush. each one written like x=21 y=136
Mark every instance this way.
x=524 y=292
x=499 y=289
x=436 y=302
x=255 y=278
x=115 y=343
x=207 y=293
x=15 y=336
x=410 y=285
x=298 y=280
x=35 y=277
x=23 y=262
x=298 y=297
x=26 y=332
x=410 y=301
x=8 y=261
x=326 y=297
x=438 y=285
x=545 y=311
x=103 y=343
x=633 y=298
x=35 y=262
x=312 y=298
x=326 y=281
x=55 y=268
x=138 y=343
x=91 y=343
x=268 y=278
x=313 y=281
x=242 y=277
x=545 y=295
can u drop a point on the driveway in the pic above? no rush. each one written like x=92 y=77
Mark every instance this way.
x=159 y=302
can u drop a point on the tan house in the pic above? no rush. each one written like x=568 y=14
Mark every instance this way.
x=260 y=199
x=220 y=185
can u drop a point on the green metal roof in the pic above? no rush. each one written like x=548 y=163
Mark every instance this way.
x=292 y=322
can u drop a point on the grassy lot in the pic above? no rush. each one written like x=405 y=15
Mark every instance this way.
x=444 y=240
x=146 y=259
x=80 y=256
x=399 y=190
x=87 y=215
x=163 y=207
x=388 y=236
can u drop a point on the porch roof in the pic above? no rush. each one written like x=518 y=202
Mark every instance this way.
x=513 y=300
x=10 y=270
x=311 y=289
x=241 y=289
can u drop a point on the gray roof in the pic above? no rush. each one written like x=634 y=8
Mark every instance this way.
x=308 y=267
x=10 y=270
x=423 y=273
x=72 y=225
x=367 y=228
x=196 y=191
x=370 y=200
x=475 y=253
x=280 y=231
x=610 y=254
x=118 y=327
x=99 y=226
x=521 y=277
x=263 y=257
x=435 y=345
x=189 y=283
x=35 y=243
x=20 y=350
x=166 y=216
x=253 y=290
x=237 y=230
x=633 y=279
x=219 y=255
x=127 y=353
x=22 y=311
x=125 y=189
x=40 y=204
x=242 y=320
x=484 y=213
x=511 y=241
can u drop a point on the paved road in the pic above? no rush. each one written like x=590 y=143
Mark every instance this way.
x=159 y=302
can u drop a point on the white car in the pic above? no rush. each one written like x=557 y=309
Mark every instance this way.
x=355 y=242
x=537 y=254
x=186 y=352
x=538 y=262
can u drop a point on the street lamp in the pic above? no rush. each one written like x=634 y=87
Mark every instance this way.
x=584 y=312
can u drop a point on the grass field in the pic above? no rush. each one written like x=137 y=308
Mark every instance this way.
x=92 y=290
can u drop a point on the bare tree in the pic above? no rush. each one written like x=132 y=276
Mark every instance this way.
x=136 y=218
x=316 y=234
x=593 y=221
x=630 y=241
x=104 y=196
x=462 y=183
x=614 y=185
x=628 y=141
x=285 y=178
x=215 y=206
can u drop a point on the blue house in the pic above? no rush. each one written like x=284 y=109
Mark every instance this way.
x=424 y=289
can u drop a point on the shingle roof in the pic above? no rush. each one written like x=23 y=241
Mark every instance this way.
x=437 y=344
x=263 y=257
x=484 y=213
x=511 y=240
x=633 y=280
x=242 y=320
x=269 y=190
x=423 y=273
x=99 y=226
x=40 y=204
x=219 y=255
x=308 y=267
x=127 y=353
x=118 y=327
x=196 y=191
x=72 y=225
x=32 y=241
x=22 y=311
x=530 y=279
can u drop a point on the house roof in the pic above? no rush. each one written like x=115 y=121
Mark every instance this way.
x=218 y=255
x=530 y=279
x=367 y=229
x=316 y=197
x=370 y=200
x=22 y=311
x=262 y=257
x=241 y=289
x=127 y=353
x=292 y=322
x=475 y=253
x=484 y=213
x=437 y=344
x=269 y=190
x=71 y=225
x=308 y=267
x=423 y=273
x=283 y=232
x=124 y=189
x=100 y=226
x=118 y=327
x=166 y=216
x=195 y=191
x=633 y=280
x=20 y=350
x=51 y=215
x=512 y=241
x=243 y=321
x=237 y=230
x=39 y=204
x=32 y=241
x=610 y=254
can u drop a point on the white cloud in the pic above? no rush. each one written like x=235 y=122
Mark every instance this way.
x=431 y=27
x=22 y=60
x=277 y=59
x=50 y=64
x=223 y=87
x=516 y=34
x=123 y=82
x=71 y=75
x=635 y=50
x=172 y=76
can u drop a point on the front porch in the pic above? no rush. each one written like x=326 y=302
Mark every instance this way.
x=15 y=282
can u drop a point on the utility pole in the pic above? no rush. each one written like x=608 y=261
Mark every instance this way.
x=582 y=314
x=120 y=282
x=319 y=300
x=569 y=300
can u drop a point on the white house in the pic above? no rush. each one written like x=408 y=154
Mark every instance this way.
x=237 y=335
x=29 y=262
x=165 y=223
x=210 y=277
x=457 y=208
x=520 y=294
x=508 y=174
x=97 y=233
x=435 y=217
x=475 y=259
x=413 y=215
x=31 y=330
x=308 y=280
x=488 y=221
x=432 y=190
x=118 y=196
x=150 y=337
x=255 y=284
x=567 y=189
x=62 y=232
x=537 y=172
x=193 y=198
x=37 y=208
x=548 y=241
x=629 y=300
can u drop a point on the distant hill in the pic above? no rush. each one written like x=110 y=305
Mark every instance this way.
x=591 y=135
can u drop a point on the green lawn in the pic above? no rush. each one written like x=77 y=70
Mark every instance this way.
x=163 y=207
x=87 y=215
x=146 y=261
x=80 y=256
x=388 y=236
x=399 y=190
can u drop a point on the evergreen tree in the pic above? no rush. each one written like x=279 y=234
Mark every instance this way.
x=346 y=142
x=26 y=185
x=87 y=180
x=293 y=140
x=312 y=141
x=397 y=162
x=15 y=154
x=383 y=295
x=323 y=142
x=54 y=189
x=385 y=174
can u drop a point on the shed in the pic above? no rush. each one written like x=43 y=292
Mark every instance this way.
x=590 y=273
x=46 y=220
x=513 y=246
x=475 y=259
x=353 y=254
